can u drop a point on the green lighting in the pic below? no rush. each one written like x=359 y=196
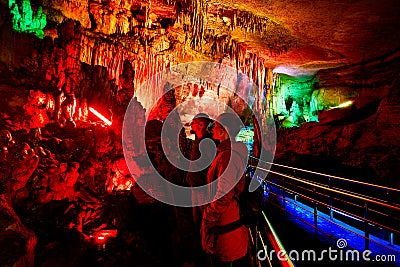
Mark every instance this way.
x=293 y=102
x=296 y=100
x=24 y=20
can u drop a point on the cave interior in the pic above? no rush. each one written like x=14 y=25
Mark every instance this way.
x=322 y=75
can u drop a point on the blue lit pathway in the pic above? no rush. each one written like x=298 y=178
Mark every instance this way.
x=294 y=224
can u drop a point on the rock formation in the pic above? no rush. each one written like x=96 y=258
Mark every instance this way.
x=62 y=166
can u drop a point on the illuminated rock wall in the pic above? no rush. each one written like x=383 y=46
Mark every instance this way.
x=360 y=136
x=103 y=52
x=63 y=179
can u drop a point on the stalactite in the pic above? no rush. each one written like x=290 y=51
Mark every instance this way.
x=198 y=24
x=197 y=29
x=146 y=62
x=262 y=87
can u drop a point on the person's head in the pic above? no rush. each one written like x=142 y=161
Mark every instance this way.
x=226 y=126
x=199 y=124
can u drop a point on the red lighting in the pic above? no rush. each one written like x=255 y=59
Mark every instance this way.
x=102 y=235
x=100 y=116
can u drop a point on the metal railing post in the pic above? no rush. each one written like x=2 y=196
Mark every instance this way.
x=256 y=246
x=330 y=199
x=284 y=193
x=295 y=186
x=379 y=212
x=315 y=210
x=389 y=222
x=366 y=226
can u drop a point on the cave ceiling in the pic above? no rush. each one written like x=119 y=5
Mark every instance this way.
x=303 y=35
x=329 y=32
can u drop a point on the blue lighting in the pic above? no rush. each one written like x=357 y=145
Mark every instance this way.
x=304 y=218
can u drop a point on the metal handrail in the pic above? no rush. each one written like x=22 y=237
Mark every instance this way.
x=323 y=193
x=276 y=243
x=253 y=243
x=341 y=200
x=329 y=206
x=264 y=245
x=326 y=193
x=342 y=192
x=327 y=234
x=330 y=176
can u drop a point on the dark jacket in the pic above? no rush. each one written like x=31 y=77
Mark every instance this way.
x=226 y=173
x=199 y=178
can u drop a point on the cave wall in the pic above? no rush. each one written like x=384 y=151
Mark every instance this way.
x=116 y=46
x=103 y=51
x=158 y=35
x=361 y=136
